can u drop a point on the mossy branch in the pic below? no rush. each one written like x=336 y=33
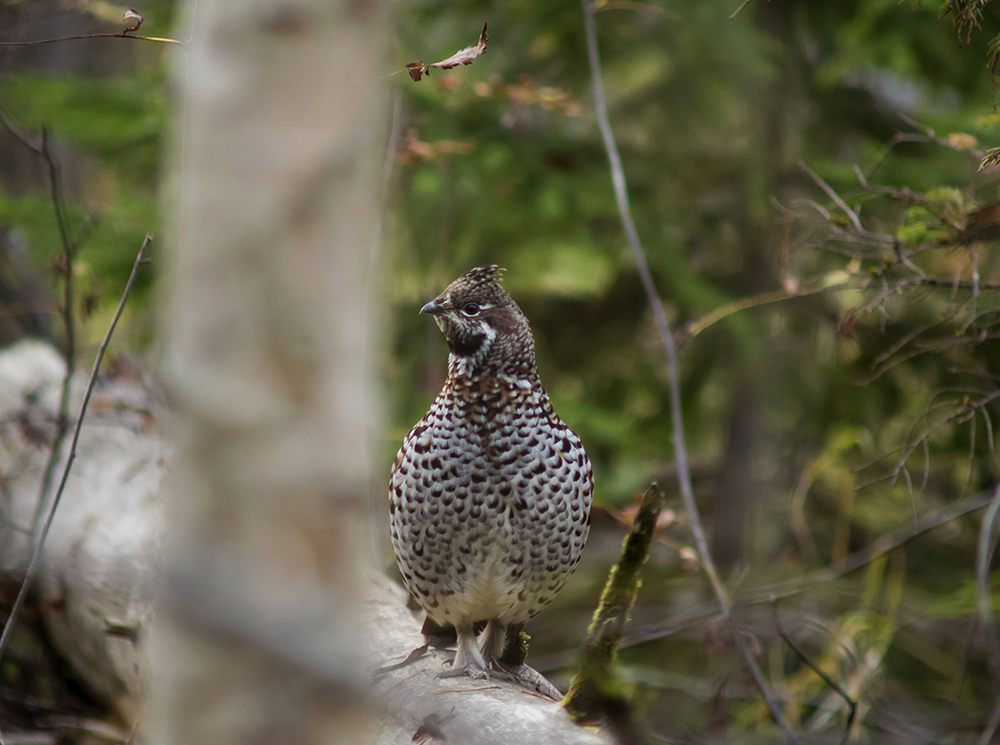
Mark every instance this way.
x=596 y=691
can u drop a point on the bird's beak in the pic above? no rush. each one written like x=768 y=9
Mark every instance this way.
x=431 y=309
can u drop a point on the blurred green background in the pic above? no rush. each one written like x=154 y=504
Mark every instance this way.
x=817 y=424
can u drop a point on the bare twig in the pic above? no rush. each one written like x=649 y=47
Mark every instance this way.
x=991 y=447
x=778 y=296
x=958 y=412
x=984 y=599
x=21 y=136
x=896 y=139
x=69 y=325
x=765 y=690
x=638 y=7
x=878 y=548
x=851 y=214
x=851 y=703
x=36 y=553
x=122 y=35
x=756 y=301
x=625 y=213
x=927 y=136
x=736 y=12
x=770 y=593
x=902 y=342
x=43 y=149
x=673 y=368
x=991 y=725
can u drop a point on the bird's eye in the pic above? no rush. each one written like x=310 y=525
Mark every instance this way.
x=471 y=310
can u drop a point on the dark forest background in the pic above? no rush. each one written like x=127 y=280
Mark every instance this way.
x=815 y=190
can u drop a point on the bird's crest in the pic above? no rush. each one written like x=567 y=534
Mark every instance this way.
x=481 y=275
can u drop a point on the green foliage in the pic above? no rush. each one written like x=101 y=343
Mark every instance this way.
x=111 y=131
x=962 y=602
x=119 y=119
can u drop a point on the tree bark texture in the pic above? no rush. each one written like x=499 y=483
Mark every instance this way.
x=101 y=557
x=266 y=331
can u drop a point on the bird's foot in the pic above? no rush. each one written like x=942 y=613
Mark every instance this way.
x=472 y=671
x=499 y=672
x=471 y=662
x=494 y=671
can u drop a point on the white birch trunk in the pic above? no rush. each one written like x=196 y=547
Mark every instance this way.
x=267 y=330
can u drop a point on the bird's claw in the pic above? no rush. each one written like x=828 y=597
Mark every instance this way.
x=476 y=672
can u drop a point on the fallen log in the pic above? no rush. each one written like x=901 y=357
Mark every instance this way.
x=98 y=587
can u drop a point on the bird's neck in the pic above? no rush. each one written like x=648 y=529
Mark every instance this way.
x=463 y=370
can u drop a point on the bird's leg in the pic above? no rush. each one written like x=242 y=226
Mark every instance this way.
x=493 y=641
x=468 y=660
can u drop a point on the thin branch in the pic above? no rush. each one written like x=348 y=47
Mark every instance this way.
x=778 y=296
x=972 y=454
x=927 y=136
x=984 y=600
x=43 y=149
x=825 y=678
x=959 y=414
x=878 y=548
x=673 y=368
x=929 y=347
x=765 y=691
x=122 y=35
x=851 y=214
x=991 y=447
x=68 y=249
x=625 y=212
x=770 y=593
x=69 y=325
x=906 y=339
x=991 y=725
x=36 y=553
x=638 y=7
x=756 y=301
x=23 y=137
x=895 y=140
x=736 y=12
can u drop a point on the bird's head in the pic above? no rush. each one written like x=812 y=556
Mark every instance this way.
x=484 y=328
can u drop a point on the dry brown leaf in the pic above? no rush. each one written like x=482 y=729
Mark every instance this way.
x=962 y=141
x=418 y=69
x=412 y=150
x=526 y=91
x=131 y=16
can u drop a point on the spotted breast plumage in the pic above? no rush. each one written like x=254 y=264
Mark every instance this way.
x=490 y=492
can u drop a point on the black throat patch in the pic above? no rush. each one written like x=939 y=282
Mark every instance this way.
x=467 y=346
